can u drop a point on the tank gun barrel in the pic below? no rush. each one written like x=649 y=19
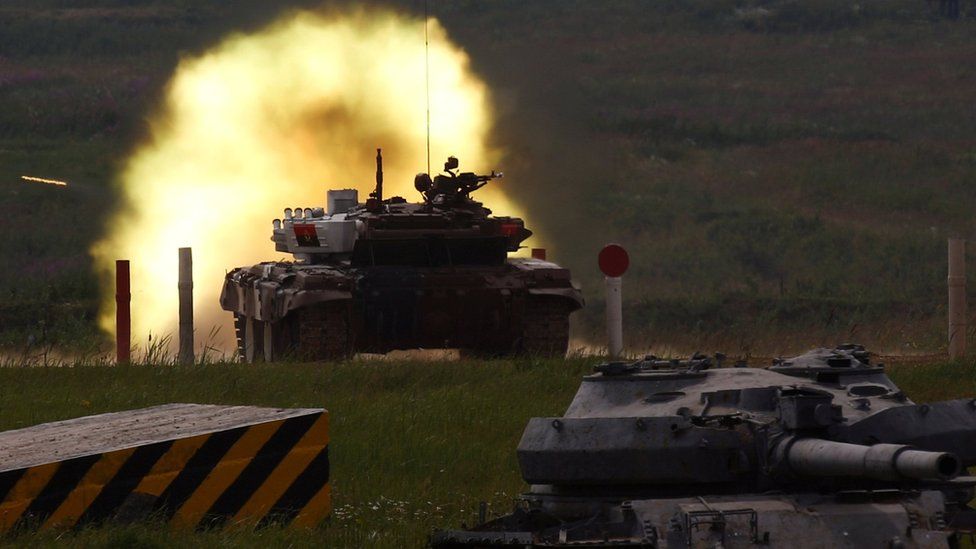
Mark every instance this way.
x=826 y=458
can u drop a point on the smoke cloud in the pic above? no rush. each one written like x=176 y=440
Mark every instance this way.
x=271 y=120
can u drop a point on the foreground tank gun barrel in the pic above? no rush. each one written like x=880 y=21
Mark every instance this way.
x=818 y=450
x=826 y=458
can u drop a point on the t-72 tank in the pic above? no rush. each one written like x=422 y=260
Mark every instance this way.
x=389 y=274
x=822 y=450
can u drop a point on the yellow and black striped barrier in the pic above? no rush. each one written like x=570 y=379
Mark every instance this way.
x=193 y=465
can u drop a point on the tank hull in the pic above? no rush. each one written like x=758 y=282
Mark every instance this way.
x=325 y=312
x=817 y=450
x=806 y=520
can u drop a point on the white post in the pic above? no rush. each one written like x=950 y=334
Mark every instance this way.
x=957 y=298
x=186 y=306
x=615 y=323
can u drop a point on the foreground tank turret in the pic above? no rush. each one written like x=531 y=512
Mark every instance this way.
x=822 y=450
x=389 y=274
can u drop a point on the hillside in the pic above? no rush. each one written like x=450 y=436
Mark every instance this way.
x=781 y=171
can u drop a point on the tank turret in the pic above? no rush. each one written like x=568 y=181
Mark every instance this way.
x=390 y=274
x=447 y=220
x=659 y=453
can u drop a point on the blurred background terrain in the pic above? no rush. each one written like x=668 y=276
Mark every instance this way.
x=784 y=173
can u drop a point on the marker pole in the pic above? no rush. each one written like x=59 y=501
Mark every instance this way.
x=123 y=325
x=186 y=306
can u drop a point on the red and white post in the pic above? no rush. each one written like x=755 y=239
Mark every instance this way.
x=613 y=261
x=123 y=325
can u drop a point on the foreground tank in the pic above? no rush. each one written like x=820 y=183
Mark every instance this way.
x=389 y=274
x=822 y=450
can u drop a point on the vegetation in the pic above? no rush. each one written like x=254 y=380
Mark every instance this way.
x=784 y=173
x=415 y=445
x=769 y=161
x=813 y=161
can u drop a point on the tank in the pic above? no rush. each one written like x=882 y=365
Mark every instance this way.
x=821 y=450
x=389 y=274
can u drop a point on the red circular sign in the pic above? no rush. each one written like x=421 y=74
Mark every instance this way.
x=613 y=260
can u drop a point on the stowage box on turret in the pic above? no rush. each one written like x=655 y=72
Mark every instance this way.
x=388 y=274
x=819 y=451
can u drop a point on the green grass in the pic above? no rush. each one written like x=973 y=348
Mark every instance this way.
x=782 y=178
x=415 y=445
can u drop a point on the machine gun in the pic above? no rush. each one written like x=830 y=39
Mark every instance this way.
x=445 y=190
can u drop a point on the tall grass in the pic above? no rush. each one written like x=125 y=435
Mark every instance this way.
x=415 y=445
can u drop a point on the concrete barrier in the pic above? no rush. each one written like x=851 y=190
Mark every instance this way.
x=191 y=465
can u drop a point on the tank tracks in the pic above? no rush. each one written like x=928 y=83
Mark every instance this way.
x=323 y=332
x=545 y=327
x=319 y=332
x=545 y=332
x=240 y=331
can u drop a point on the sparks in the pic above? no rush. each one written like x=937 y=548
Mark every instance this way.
x=42 y=180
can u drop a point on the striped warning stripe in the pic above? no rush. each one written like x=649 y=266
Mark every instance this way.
x=273 y=471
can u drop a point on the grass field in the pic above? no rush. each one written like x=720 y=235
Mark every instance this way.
x=784 y=172
x=415 y=445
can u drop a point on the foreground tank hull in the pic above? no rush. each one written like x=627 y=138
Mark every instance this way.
x=819 y=450
x=891 y=518
x=324 y=312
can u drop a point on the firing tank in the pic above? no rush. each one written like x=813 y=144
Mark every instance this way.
x=389 y=274
x=821 y=450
